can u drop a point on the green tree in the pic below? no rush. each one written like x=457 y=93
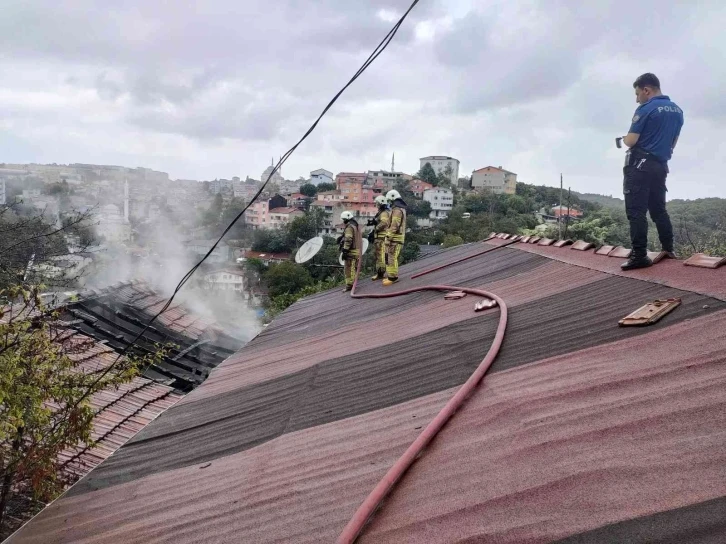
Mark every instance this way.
x=418 y=208
x=302 y=228
x=44 y=398
x=270 y=241
x=308 y=189
x=410 y=252
x=428 y=174
x=286 y=278
x=323 y=187
x=451 y=240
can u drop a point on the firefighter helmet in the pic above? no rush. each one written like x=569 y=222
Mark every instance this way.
x=392 y=195
x=381 y=200
x=346 y=216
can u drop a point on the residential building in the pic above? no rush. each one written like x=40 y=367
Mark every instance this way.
x=495 y=179
x=418 y=187
x=332 y=208
x=221 y=186
x=279 y=217
x=350 y=185
x=200 y=248
x=224 y=280
x=383 y=180
x=441 y=163
x=257 y=215
x=329 y=196
x=564 y=211
x=297 y=200
x=289 y=186
x=441 y=200
x=321 y=176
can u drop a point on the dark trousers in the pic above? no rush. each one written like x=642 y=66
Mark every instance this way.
x=645 y=191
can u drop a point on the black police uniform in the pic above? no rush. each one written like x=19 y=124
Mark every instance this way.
x=658 y=122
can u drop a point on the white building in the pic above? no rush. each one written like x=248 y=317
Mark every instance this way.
x=112 y=225
x=224 y=280
x=200 y=248
x=440 y=163
x=441 y=200
x=276 y=178
x=495 y=179
x=321 y=176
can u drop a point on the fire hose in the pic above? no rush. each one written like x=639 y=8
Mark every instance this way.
x=372 y=502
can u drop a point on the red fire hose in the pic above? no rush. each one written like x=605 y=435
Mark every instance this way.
x=365 y=511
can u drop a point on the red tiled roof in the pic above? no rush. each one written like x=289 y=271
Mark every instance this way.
x=581 y=430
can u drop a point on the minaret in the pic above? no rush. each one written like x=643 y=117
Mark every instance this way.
x=126 y=201
x=393 y=162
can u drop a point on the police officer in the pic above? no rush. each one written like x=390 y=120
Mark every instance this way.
x=377 y=236
x=350 y=244
x=651 y=139
x=395 y=235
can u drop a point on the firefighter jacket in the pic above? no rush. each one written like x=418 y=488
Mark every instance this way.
x=382 y=221
x=397 y=230
x=351 y=239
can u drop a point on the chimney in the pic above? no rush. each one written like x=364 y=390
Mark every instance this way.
x=500 y=167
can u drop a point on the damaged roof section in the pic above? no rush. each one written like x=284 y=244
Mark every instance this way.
x=116 y=315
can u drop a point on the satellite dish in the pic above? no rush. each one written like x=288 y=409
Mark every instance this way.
x=365 y=248
x=308 y=250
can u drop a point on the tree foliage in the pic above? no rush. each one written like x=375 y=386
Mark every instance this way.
x=428 y=174
x=286 y=278
x=308 y=189
x=44 y=397
x=325 y=186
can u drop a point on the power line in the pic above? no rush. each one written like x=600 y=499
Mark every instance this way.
x=372 y=57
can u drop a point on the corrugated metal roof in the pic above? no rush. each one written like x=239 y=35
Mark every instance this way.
x=581 y=429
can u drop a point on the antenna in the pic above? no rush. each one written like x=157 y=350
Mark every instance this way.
x=308 y=250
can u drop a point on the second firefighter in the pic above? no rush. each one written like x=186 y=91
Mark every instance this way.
x=381 y=222
x=395 y=235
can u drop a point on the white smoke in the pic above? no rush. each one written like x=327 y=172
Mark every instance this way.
x=162 y=264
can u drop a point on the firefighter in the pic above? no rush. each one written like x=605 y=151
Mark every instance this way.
x=395 y=235
x=350 y=247
x=377 y=236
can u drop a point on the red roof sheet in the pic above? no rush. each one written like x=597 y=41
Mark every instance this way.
x=580 y=428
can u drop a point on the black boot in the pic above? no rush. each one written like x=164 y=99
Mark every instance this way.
x=636 y=261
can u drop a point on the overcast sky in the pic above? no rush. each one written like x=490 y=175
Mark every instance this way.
x=216 y=88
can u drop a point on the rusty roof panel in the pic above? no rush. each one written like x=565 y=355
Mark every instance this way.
x=705 y=261
x=620 y=252
x=582 y=245
x=604 y=250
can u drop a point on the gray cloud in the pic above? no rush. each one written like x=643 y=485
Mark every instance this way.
x=499 y=82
